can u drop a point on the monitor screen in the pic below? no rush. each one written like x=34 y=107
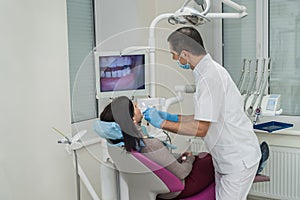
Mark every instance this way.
x=120 y=75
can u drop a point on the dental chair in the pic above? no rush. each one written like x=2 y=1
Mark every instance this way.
x=146 y=179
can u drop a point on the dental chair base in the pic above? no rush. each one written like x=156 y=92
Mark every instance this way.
x=207 y=194
x=146 y=179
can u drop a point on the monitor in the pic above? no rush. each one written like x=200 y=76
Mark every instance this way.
x=121 y=75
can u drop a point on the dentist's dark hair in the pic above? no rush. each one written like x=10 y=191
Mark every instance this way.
x=121 y=111
x=187 y=38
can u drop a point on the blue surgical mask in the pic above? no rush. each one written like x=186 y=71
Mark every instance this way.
x=185 y=66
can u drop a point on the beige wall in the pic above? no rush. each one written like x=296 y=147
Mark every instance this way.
x=122 y=24
x=34 y=85
x=167 y=72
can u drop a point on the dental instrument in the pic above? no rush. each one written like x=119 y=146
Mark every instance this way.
x=163 y=104
x=267 y=66
x=245 y=83
x=250 y=109
x=251 y=88
x=73 y=144
x=242 y=77
x=254 y=90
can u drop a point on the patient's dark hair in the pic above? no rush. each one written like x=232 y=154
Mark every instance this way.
x=121 y=111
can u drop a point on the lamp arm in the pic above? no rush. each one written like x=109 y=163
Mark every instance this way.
x=240 y=14
x=226 y=15
x=153 y=24
x=234 y=5
x=151 y=43
x=207 y=7
x=185 y=4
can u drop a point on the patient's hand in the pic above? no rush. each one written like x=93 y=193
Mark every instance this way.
x=185 y=155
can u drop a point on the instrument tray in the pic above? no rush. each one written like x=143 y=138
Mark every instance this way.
x=272 y=126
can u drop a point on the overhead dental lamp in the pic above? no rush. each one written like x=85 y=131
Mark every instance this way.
x=186 y=15
x=190 y=15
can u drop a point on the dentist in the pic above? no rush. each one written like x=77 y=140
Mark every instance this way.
x=218 y=117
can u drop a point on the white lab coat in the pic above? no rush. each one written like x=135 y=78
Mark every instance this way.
x=230 y=138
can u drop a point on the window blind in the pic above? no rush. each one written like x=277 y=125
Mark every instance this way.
x=284 y=34
x=81 y=62
x=239 y=39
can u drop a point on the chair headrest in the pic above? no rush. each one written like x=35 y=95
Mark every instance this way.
x=109 y=131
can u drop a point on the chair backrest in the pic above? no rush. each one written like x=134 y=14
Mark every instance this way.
x=145 y=178
x=171 y=181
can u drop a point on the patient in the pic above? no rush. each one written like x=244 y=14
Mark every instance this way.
x=196 y=172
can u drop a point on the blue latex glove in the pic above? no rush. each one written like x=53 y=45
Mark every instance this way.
x=153 y=117
x=168 y=116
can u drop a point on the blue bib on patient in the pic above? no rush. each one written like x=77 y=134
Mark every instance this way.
x=109 y=130
x=112 y=131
